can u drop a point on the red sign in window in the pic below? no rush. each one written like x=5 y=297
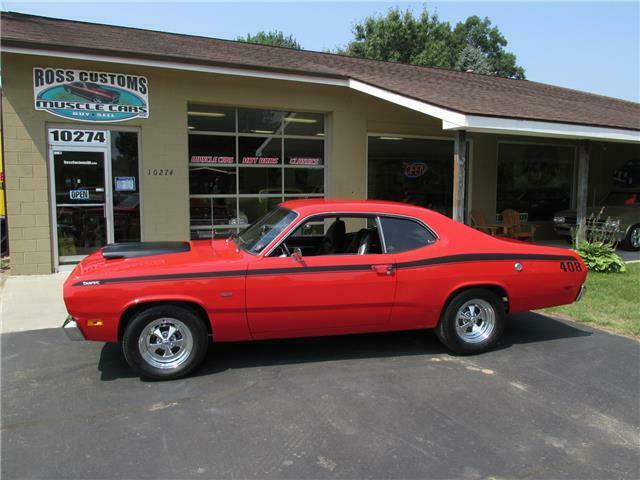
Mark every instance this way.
x=260 y=160
x=415 y=170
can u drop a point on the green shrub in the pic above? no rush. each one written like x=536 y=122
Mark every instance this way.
x=601 y=257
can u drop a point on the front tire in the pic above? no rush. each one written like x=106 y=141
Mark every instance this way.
x=632 y=241
x=165 y=342
x=472 y=322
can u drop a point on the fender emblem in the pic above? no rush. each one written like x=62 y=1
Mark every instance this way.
x=90 y=283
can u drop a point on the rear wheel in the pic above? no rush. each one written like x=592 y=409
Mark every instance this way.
x=472 y=322
x=165 y=342
x=632 y=241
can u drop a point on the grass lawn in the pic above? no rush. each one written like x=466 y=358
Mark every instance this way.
x=612 y=301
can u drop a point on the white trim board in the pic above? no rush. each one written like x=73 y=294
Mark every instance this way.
x=451 y=120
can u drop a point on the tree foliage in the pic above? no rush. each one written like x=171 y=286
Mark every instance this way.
x=274 y=38
x=425 y=40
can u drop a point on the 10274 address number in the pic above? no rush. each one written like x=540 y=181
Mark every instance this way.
x=160 y=172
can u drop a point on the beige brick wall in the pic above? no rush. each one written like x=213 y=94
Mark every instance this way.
x=27 y=192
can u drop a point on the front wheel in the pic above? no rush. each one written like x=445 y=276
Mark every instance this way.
x=632 y=241
x=165 y=342
x=472 y=322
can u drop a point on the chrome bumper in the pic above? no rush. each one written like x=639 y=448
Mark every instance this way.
x=70 y=327
x=583 y=287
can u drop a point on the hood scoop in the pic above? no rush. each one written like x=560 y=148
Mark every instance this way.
x=143 y=249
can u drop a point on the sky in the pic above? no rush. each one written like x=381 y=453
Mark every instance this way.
x=590 y=46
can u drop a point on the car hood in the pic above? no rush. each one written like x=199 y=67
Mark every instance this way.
x=200 y=256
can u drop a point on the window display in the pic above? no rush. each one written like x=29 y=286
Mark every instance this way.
x=535 y=180
x=411 y=170
x=243 y=162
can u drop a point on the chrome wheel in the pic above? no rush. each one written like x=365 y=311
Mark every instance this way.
x=634 y=237
x=165 y=343
x=475 y=321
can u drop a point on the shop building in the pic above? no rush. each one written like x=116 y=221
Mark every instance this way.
x=114 y=134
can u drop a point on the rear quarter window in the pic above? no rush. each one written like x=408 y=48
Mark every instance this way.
x=402 y=234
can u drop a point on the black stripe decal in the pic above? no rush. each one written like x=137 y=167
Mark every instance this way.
x=469 y=257
x=482 y=257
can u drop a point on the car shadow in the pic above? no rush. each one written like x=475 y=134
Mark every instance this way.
x=521 y=328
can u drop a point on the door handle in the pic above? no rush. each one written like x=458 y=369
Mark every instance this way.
x=383 y=269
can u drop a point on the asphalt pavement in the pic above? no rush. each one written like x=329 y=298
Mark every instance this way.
x=555 y=400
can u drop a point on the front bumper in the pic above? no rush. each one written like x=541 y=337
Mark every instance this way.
x=73 y=332
x=583 y=287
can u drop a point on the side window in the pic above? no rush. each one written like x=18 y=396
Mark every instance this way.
x=334 y=235
x=401 y=234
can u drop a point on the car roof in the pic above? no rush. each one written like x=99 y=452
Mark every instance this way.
x=329 y=205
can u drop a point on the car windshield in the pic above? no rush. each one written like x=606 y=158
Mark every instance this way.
x=261 y=233
x=622 y=198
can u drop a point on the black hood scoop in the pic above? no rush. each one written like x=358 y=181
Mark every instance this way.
x=143 y=249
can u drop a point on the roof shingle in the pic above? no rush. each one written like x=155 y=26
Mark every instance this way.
x=462 y=92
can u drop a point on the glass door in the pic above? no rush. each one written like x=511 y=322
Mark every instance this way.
x=82 y=219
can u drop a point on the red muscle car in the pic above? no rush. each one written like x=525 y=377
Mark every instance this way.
x=308 y=268
x=92 y=92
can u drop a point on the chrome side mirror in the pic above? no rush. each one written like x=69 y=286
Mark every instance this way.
x=297 y=255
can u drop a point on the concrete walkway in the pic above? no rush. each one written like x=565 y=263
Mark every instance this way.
x=32 y=302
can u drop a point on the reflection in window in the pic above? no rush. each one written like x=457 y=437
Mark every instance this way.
x=236 y=167
x=308 y=124
x=260 y=150
x=212 y=180
x=536 y=180
x=401 y=234
x=212 y=119
x=411 y=170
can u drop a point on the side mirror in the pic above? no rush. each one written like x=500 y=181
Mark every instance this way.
x=297 y=254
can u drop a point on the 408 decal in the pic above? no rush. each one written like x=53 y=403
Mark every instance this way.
x=570 y=266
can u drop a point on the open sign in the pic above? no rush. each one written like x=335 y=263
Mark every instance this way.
x=415 y=170
x=79 y=194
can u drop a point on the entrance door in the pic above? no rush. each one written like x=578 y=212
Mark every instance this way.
x=82 y=220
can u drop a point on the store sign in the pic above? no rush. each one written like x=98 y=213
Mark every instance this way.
x=125 y=184
x=415 y=169
x=77 y=137
x=90 y=96
x=80 y=194
x=260 y=160
x=305 y=161
x=212 y=159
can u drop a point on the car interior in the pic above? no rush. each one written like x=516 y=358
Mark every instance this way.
x=355 y=236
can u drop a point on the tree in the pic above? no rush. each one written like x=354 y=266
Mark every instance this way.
x=274 y=38
x=479 y=33
x=471 y=59
x=425 y=40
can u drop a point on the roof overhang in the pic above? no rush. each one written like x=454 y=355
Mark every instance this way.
x=451 y=120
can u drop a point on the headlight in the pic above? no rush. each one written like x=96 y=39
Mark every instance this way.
x=612 y=223
x=558 y=219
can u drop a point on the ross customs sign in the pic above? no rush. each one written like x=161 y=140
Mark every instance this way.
x=90 y=96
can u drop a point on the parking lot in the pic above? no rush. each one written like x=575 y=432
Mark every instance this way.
x=555 y=400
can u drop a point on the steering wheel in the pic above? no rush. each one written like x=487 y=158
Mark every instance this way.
x=285 y=249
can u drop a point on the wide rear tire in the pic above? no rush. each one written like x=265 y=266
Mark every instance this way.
x=164 y=342
x=472 y=322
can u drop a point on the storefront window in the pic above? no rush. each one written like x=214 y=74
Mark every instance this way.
x=126 y=186
x=205 y=118
x=411 y=170
x=535 y=180
x=243 y=162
